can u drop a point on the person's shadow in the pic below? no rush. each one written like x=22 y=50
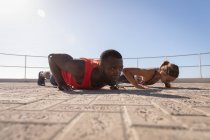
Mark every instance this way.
x=148 y=92
x=172 y=88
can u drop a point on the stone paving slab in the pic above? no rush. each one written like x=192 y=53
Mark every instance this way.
x=28 y=131
x=150 y=116
x=176 y=108
x=39 y=105
x=90 y=126
x=205 y=110
x=169 y=134
x=36 y=116
x=7 y=106
x=31 y=112
x=195 y=122
x=86 y=108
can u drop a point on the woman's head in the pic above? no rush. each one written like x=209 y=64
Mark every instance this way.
x=169 y=72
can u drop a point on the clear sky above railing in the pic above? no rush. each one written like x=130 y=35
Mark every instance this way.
x=28 y=66
x=85 y=28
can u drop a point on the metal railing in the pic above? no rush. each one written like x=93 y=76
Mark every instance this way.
x=200 y=65
x=25 y=62
x=138 y=59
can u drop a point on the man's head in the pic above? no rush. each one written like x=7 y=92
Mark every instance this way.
x=169 y=72
x=111 y=64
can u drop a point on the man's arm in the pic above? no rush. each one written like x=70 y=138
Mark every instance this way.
x=167 y=85
x=64 y=62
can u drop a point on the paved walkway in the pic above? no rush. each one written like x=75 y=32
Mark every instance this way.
x=30 y=112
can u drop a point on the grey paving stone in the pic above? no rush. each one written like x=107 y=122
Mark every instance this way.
x=39 y=105
x=195 y=94
x=199 y=123
x=60 y=96
x=36 y=116
x=98 y=126
x=79 y=100
x=109 y=97
x=95 y=108
x=121 y=101
x=195 y=102
x=20 y=97
x=150 y=116
x=175 y=108
x=206 y=95
x=205 y=110
x=130 y=114
x=7 y=106
x=131 y=96
x=170 y=134
x=17 y=85
x=28 y=131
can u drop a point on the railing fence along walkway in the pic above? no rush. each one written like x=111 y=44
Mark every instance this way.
x=138 y=59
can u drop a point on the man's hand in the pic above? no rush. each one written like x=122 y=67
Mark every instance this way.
x=65 y=88
x=167 y=85
x=114 y=87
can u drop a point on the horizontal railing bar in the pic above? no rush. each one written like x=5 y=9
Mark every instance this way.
x=123 y=58
x=23 y=67
x=23 y=55
x=38 y=67
x=194 y=66
x=168 y=56
x=48 y=67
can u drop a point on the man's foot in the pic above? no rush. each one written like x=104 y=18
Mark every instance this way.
x=41 y=79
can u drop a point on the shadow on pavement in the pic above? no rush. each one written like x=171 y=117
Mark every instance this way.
x=173 y=88
x=150 y=92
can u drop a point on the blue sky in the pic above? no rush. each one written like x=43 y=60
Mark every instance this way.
x=85 y=28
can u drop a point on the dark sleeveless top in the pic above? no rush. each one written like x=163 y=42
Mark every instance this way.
x=153 y=80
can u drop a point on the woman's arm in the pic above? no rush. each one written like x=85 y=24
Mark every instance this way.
x=129 y=74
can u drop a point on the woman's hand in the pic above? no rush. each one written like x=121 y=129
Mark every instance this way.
x=140 y=86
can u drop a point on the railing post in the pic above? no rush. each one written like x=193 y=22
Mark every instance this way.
x=25 y=67
x=137 y=61
x=200 y=65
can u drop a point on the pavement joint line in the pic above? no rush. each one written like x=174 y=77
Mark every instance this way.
x=161 y=126
x=54 y=104
x=199 y=130
x=128 y=124
x=62 y=128
x=97 y=97
x=61 y=133
x=85 y=111
x=123 y=125
x=20 y=103
x=28 y=109
x=29 y=122
x=206 y=114
x=11 y=108
x=158 y=107
x=201 y=115
x=122 y=104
